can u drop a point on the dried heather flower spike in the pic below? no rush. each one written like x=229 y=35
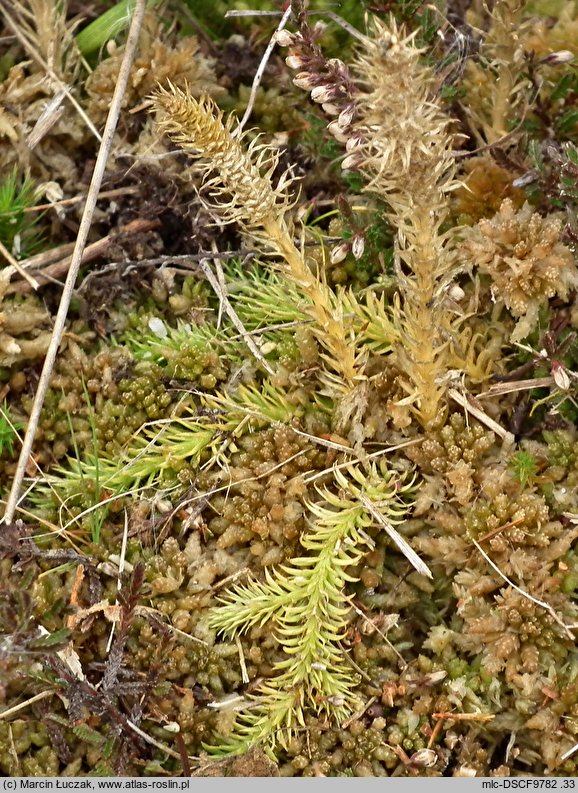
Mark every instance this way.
x=244 y=174
x=328 y=80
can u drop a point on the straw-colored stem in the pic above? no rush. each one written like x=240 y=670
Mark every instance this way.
x=423 y=354
x=332 y=331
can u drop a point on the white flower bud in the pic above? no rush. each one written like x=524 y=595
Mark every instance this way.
x=339 y=253
x=305 y=80
x=331 y=109
x=351 y=161
x=322 y=93
x=354 y=141
x=357 y=246
x=295 y=61
x=560 y=376
x=319 y=28
x=346 y=116
x=557 y=58
x=337 y=65
x=337 y=131
x=284 y=38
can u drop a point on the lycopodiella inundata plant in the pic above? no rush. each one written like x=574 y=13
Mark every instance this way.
x=497 y=84
x=242 y=177
x=398 y=137
x=306 y=602
x=401 y=142
x=403 y=145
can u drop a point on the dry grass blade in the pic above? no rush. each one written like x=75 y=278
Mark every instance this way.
x=396 y=537
x=21 y=705
x=83 y=231
x=499 y=389
x=468 y=404
x=260 y=71
x=48 y=118
x=220 y=290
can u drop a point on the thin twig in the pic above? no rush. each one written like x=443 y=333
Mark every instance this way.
x=77 y=199
x=231 y=313
x=570 y=752
x=149 y=739
x=464 y=716
x=36 y=698
x=121 y=567
x=308 y=478
x=244 y=674
x=468 y=404
x=51 y=272
x=251 y=13
x=83 y=231
x=161 y=617
x=499 y=389
x=17 y=266
x=343 y=23
x=260 y=71
x=396 y=537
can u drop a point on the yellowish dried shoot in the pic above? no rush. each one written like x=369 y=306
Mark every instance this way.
x=403 y=145
x=240 y=180
x=43 y=25
x=504 y=39
x=497 y=86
